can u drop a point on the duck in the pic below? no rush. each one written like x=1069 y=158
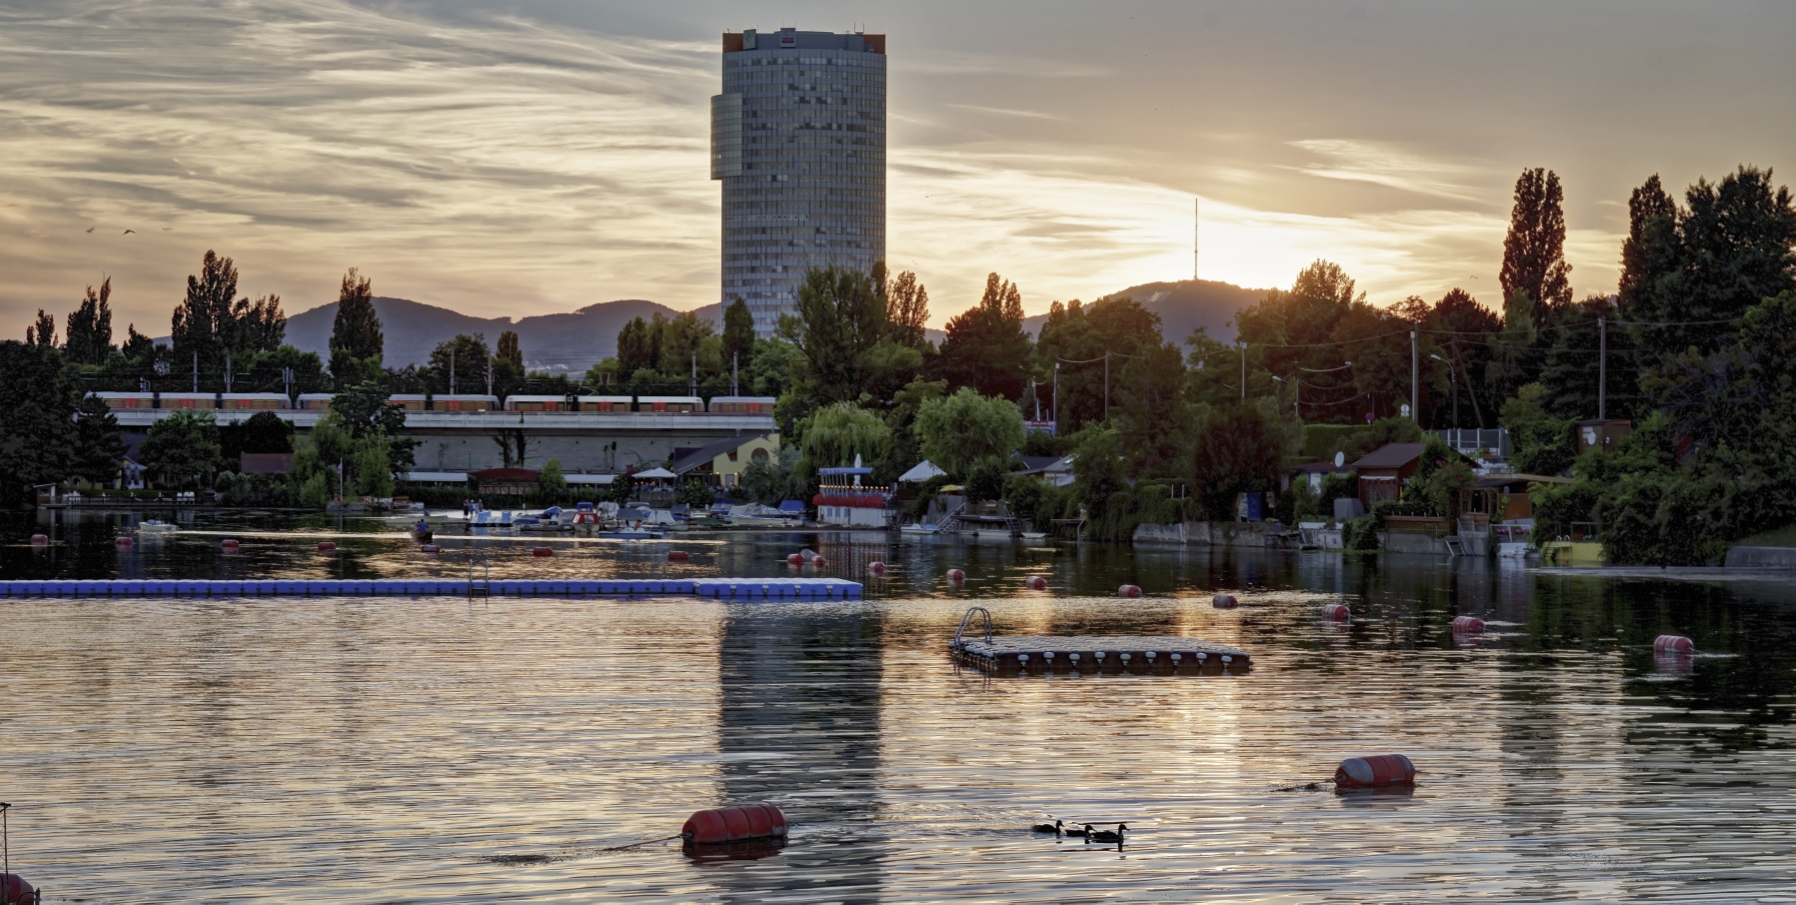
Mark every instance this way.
x=1056 y=827
x=1077 y=833
x=1106 y=835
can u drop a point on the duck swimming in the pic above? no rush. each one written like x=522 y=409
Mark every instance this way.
x=1106 y=835
x=1055 y=827
x=1077 y=833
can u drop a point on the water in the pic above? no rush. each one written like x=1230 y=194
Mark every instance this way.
x=435 y=750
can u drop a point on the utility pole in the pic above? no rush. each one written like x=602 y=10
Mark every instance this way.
x=1056 y=402
x=451 y=370
x=694 y=373
x=489 y=377
x=735 y=373
x=196 y=371
x=1106 y=385
x=1243 y=347
x=227 y=370
x=1415 y=371
x=1602 y=368
x=1297 y=398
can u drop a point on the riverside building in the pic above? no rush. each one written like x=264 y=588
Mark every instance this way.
x=798 y=138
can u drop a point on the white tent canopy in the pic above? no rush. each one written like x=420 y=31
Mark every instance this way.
x=655 y=473
x=922 y=472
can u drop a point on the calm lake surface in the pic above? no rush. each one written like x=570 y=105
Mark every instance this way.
x=442 y=750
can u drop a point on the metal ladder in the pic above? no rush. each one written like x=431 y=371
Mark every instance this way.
x=950 y=523
x=484 y=587
x=966 y=620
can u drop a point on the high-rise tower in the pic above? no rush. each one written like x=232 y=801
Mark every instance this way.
x=798 y=138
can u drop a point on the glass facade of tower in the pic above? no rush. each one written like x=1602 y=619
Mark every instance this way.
x=798 y=138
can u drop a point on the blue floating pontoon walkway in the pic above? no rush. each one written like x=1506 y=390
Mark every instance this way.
x=713 y=588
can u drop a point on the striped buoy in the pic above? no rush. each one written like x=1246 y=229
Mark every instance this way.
x=956 y=576
x=1468 y=624
x=677 y=556
x=15 y=891
x=1673 y=644
x=431 y=548
x=1224 y=601
x=1374 y=771
x=718 y=826
x=542 y=551
x=1336 y=611
x=877 y=568
x=327 y=547
x=1035 y=583
x=819 y=561
x=40 y=539
x=1128 y=590
x=796 y=559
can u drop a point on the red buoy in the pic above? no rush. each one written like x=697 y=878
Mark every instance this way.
x=819 y=561
x=122 y=541
x=1336 y=611
x=228 y=545
x=877 y=568
x=327 y=547
x=1128 y=590
x=676 y=556
x=431 y=548
x=796 y=559
x=1377 y=770
x=718 y=826
x=542 y=551
x=40 y=539
x=956 y=576
x=1468 y=624
x=1224 y=601
x=1035 y=583
x=1673 y=644
x=15 y=891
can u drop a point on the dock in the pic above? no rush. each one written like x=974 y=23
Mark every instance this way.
x=1091 y=653
x=707 y=588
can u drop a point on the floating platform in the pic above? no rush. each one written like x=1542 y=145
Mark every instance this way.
x=1091 y=653
x=711 y=588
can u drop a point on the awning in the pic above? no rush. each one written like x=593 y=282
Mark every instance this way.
x=590 y=478
x=923 y=471
x=655 y=473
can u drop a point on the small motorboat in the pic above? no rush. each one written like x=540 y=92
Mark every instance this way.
x=156 y=526
x=631 y=532
x=920 y=528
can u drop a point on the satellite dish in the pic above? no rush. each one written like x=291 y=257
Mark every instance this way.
x=1406 y=410
x=1340 y=459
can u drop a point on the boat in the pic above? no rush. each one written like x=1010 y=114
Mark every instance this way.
x=920 y=528
x=631 y=532
x=156 y=526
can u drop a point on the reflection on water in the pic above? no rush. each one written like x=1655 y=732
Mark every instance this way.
x=386 y=750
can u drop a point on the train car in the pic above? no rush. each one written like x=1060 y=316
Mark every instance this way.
x=742 y=405
x=537 y=404
x=188 y=401
x=605 y=403
x=411 y=402
x=123 y=401
x=463 y=402
x=669 y=404
x=256 y=401
x=315 y=402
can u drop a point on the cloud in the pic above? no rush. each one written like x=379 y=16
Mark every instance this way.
x=1388 y=165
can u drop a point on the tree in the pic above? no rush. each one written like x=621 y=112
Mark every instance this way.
x=182 y=446
x=1467 y=330
x=1079 y=336
x=987 y=348
x=551 y=481
x=738 y=335
x=907 y=310
x=1735 y=247
x=89 y=326
x=207 y=304
x=356 y=340
x=838 y=433
x=37 y=423
x=266 y=432
x=841 y=318
x=1237 y=449
x=42 y=331
x=1534 y=249
x=459 y=365
x=1150 y=415
x=958 y=430
x=364 y=410
x=509 y=352
x=639 y=345
x=99 y=450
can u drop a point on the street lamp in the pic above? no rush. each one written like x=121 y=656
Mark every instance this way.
x=1296 y=399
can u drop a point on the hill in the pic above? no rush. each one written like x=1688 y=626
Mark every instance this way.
x=575 y=340
x=1184 y=306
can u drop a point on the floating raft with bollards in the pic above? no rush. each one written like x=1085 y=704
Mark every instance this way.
x=712 y=588
x=1090 y=653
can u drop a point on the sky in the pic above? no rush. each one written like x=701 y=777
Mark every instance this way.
x=527 y=158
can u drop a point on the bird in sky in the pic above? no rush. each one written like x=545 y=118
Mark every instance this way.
x=90 y=229
x=129 y=231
